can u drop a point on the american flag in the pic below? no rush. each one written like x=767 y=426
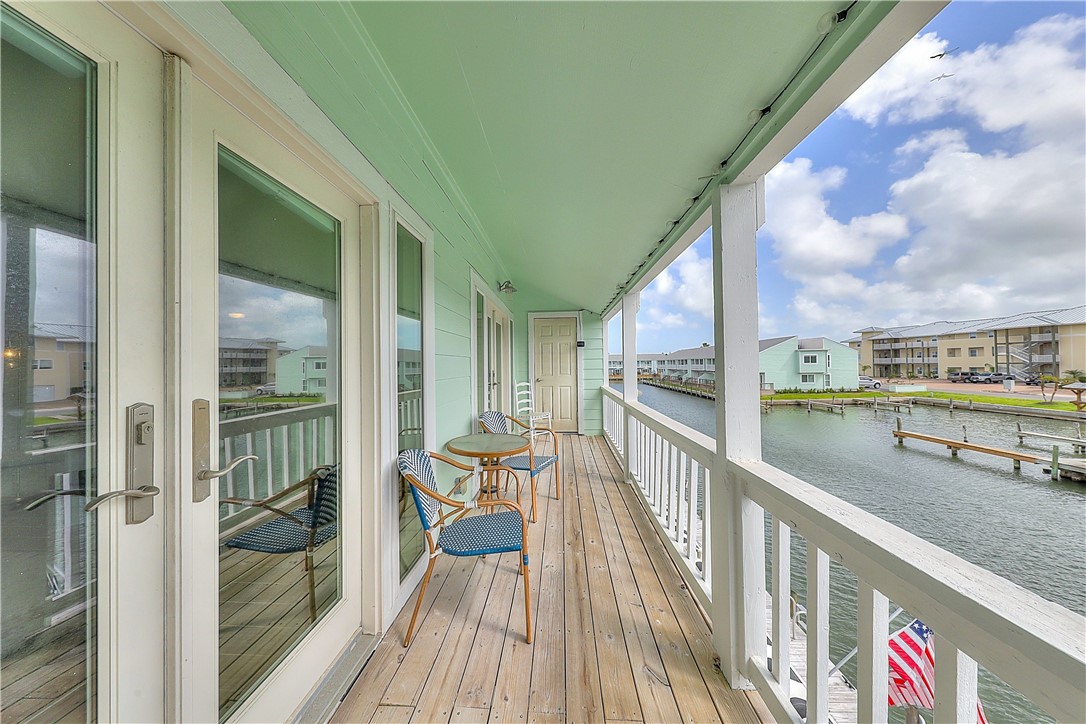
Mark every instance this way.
x=912 y=669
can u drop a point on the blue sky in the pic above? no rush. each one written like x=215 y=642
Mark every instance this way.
x=920 y=199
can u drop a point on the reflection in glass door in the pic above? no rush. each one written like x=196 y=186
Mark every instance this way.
x=279 y=376
x=409 y=377
x=47 y=259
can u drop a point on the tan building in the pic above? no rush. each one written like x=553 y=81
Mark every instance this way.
x=60 y=360
x=1023 y=345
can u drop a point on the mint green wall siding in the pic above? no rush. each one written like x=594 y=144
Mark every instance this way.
x=779 y=365
x=844 y=363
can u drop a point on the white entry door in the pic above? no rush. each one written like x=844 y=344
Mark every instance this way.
x=272 y=376
x=554 y=360
x=82 y=592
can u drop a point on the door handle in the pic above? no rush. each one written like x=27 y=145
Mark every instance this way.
x=143 y=491
x=48 y=495
x=212 y=474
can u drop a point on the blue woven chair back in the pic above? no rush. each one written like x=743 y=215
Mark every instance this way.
x=326 y=497
x=495 y=422
x=418 y=465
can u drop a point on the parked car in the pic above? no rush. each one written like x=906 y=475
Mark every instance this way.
x=1031 y=380
x=268 y=389
x=958 y=377
x=980 y=377
x=999 y=377
x=869 y=382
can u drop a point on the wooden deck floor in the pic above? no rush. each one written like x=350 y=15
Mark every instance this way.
x=617 y=637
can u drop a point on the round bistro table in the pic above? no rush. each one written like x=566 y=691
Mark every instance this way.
x=488 y=449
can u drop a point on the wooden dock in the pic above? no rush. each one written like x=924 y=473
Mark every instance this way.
x=1078 y=444
x=1068 y=469
x=834 y=407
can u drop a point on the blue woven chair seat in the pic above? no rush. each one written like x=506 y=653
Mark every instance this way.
x=479 y=535
x=283 y=535
x=523 y=462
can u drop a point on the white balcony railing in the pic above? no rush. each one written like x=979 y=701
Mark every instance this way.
x=288 y=443
x=1033 y=645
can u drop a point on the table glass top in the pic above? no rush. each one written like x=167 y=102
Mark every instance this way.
x=485 y=444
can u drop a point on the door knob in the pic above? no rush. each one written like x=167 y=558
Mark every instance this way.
x=143 y=491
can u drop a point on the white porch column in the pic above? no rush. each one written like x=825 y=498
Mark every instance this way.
x=631 y=303
x=735 y=524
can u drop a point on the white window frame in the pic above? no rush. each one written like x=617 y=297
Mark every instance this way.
x=804 y=381
x=810 y=359
x=43 y=364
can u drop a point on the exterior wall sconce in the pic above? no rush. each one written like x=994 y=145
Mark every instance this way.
x=507 y=287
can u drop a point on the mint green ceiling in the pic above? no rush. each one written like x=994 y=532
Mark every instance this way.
x=563 y=137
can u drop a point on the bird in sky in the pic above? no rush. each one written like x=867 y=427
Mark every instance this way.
x=944 y=53
x=940 y=77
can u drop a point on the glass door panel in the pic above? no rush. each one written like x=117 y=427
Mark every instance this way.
x=48 y=261
x=278 y=380
x=408 y=384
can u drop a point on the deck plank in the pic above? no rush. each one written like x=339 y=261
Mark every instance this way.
x=650 y=678
x=365 y=696
x=584 y=697
x=691 y=694
x=731 y=704
x=438 y=697
x=514 y=677
x=547 y=690
x=615 y=674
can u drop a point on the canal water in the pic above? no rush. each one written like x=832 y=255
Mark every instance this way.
x=1018 y=524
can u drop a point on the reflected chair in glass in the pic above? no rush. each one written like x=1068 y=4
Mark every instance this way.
x=496 y=422
x=459 y=534
x=527 y=412
x=305 y=528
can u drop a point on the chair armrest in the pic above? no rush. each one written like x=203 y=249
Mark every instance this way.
x=289 y=490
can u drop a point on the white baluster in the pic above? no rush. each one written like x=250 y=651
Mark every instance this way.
x=782 y=575
x=871 y=667
x=818 y=634
x=955 y=684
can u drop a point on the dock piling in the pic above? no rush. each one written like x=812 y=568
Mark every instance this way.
x=900 y=440
x=1055 y=462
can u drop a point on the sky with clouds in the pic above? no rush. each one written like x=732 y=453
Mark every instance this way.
x=951 y=185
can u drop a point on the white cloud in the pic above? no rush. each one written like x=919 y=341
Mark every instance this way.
x=686 y=285
x=808 y=240
x=1033 y=83
x=981 y=233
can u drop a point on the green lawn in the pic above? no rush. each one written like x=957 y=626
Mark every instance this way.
x=48 y=420
x=960 y=397
x=273 y=400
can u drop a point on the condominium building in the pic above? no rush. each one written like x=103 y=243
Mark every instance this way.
x=814 y=363
x=1023 y=345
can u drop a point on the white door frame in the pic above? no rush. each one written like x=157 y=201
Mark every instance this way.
x=479 y=286
x=394 y=592
x=532 y=316
x=131 y=574
x=214 y=122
